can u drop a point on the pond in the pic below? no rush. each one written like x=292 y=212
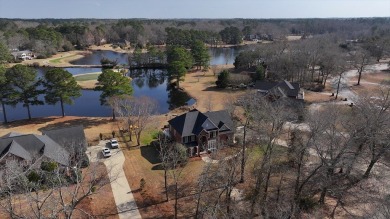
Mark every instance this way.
x=151 y=83
x=95 y=57
x=219 y=56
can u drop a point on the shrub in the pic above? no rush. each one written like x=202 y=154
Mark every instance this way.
x=307 y=203
x=237 y=79
x=35 y=64
x=223 y=79
x=84 y=161
x=260 y=73
x=41 y=56
x=49 y=166
x=33 y=176
x=142 y=184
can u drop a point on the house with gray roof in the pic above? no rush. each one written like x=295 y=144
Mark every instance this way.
x=202 y=132
x=275 y=90
x=32 y=149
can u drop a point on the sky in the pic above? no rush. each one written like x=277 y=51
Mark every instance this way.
x=194 y=8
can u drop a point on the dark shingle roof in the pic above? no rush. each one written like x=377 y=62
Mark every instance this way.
x=284 y=87
x=69 y=137
x=193 y=122
x=222 y=119
x=17 y=150
x=11 y=134
x=54 y=151
x=32 y=146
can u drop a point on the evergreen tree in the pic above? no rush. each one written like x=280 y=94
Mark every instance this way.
x=179 y=61
x=60 y=87
x=223 y=79
x=111 y=84
x=24 y=86
x=201 y=55
x=4 y=91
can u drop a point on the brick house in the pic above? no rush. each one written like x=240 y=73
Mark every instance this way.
x=202 y=132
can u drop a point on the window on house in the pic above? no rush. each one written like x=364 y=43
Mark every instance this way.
x=192 y=138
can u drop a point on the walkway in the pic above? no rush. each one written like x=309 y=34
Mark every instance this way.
x=124 y=199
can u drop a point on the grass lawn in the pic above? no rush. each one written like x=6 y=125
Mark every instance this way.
x=59 y=60
x=87 y=77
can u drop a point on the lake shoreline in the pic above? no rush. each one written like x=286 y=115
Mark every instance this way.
x=65 y=59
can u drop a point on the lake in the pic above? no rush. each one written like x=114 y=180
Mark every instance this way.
x=146 y=82
x=151 y=83
x=219 y=56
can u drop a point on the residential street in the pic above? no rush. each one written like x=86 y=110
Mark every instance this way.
x=124 y=199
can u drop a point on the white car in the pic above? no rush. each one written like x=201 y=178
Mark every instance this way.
x=114 y=143
x=106 y=152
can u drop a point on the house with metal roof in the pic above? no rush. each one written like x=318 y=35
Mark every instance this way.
x=202 y=132
x=32 y=149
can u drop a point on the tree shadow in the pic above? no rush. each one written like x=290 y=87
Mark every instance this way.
x=151 y=154
x=213 y=88
x=36 y=121
x=158 y=167
x=85 y=122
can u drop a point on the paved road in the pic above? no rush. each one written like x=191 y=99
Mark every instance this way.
x=124 y=199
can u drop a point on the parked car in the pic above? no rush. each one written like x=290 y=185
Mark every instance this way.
x=114 y=143
x=106 y=152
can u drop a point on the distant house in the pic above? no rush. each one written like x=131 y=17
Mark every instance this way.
x=280 y=89
x=202 y=132
x=32 y=149
x=23 y=55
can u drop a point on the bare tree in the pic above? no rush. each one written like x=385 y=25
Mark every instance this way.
x=143 y=108
x=174 y=159
x=268 y=118
x=50 y=191
x=135 y=112
x=360 y=59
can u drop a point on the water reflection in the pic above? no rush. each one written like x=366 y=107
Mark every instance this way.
x=219 y=56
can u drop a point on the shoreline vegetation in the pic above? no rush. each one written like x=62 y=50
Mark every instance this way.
x=64 y=59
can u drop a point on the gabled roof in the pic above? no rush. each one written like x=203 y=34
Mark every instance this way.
x=284 y=87
x=17 y=150
x=11 y=134
x=69 y=137
x=54 y=151
x=222 y=119
x=32 y=146
x=193 y=122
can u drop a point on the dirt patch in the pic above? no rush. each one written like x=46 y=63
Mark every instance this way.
x=61 y=59
x=373 y=78
x=317 y=97
x=88 y=85
x=201 y=86
x=144 y=163
x=293 y=38
x=92 y=125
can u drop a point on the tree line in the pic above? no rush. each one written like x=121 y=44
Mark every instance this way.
x=20 y=84
x=311 y=61
x=47 y=36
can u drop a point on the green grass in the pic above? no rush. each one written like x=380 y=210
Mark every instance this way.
x=149 y=136
x=256 y=153
x=87 y=77
x=58 y=60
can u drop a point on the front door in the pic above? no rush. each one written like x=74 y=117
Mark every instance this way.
x=212 y=145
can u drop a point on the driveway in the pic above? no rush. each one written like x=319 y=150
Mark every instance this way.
x=124 y=199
